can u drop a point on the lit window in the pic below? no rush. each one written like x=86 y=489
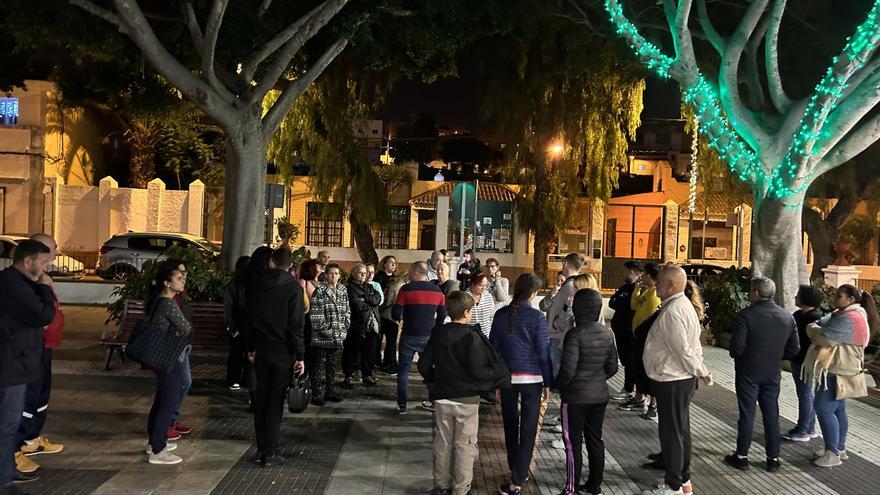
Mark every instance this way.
x=8 y=111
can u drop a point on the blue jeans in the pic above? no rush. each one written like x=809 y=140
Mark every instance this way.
x=806 y=423
x=185 y=384
x=164 y=402
x=832 y=416
x=555 y=355
x=408 y=347
x=11 y=406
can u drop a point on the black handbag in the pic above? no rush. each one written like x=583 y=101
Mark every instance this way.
x=156 y=349
x=298 y=394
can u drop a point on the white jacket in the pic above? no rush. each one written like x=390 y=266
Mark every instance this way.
x=672 y=350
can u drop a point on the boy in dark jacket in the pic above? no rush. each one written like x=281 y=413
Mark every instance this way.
x=456 y=363
x=589 y=358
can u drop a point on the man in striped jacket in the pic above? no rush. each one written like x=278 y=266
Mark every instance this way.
x=422 y=306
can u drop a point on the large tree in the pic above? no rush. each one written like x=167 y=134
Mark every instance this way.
x=228 y=78
x=778 y=145
x=566 y=106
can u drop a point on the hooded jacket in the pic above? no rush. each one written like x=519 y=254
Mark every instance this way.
x=275 y=316
x=25 y=308
x=589 y=356
x=456 y=361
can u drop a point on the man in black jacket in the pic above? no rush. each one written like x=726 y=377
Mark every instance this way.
x=25 y=308
x=764 y=335
x=456 y=362
x=274 y=340
x=621 y=325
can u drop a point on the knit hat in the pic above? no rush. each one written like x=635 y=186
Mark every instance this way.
x=810 y=296
x=587 y=306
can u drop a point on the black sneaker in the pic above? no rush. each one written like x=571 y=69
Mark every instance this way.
x=651 y=413
x=736 y=462
x=658 y=465
x=773 y=465
x=655 y=456
x=333 y=398
x=274 y=460
x=20 y=477
x=633 y=405
x=427 y=405
x=346 y=384
x=369 y=381
x=401 y=410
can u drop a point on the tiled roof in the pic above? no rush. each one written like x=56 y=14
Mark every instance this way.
x=488 y=192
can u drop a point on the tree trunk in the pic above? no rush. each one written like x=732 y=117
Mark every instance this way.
x=777 y=251
x=820 y=234
x=363 y=239
x=245 y=204
x=541 y=252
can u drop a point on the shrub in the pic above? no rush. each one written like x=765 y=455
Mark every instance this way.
x=205 y=280
x=725 y=296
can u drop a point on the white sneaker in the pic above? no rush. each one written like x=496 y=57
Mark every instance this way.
x=664 y=490
x=168 y=446
x=821 y=452
x=828 y=460
x=815 y=434
x=558 y=444
x=235 y=387
x=164 y=457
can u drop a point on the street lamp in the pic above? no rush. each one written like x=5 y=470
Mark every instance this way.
x=555 y=149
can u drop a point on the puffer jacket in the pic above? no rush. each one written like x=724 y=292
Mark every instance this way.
x=363 y=300
x=589 y=356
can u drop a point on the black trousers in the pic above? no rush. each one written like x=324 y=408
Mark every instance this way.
x=766 y=394
x=389 y=329
x=323 y=360
x=583 y=421
x=358 y=352
x=36 y=401
x=673 y=413
x=273 y=378
x=235 y=361
x=520 y=407
x=165 y=402
x=625 y=341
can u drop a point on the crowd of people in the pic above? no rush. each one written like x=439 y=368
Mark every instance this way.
x=477 y=344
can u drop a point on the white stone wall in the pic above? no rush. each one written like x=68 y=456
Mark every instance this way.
x=86 y=216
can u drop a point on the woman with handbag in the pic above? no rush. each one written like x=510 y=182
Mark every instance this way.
x=165 y=316
x=833 y=368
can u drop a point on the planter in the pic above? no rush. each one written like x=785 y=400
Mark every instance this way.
x=841 y=249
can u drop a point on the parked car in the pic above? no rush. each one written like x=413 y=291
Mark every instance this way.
x=701 y=272
x=126 y=253
x=61 y=266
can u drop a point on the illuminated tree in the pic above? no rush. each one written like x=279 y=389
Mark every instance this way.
x=778 y=147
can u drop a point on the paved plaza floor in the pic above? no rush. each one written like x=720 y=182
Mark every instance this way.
x=361 y=445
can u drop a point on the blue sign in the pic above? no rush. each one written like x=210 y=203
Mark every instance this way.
x=8 y=111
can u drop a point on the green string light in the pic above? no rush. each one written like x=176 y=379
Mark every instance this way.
x=723 y=138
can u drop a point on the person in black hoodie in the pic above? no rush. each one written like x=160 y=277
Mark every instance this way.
x=589 y=358
x=808 y=300
x=274 y=341
x=621 y=325
x=360 y=341
x=457 y=362
x=26 y=307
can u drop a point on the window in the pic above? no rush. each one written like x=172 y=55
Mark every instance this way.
x=324 y=225
x=396 y=234
x=157 y=244
x=8 y=111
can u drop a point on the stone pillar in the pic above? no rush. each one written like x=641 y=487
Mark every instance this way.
x=195 y=207
x=836 y=275
x=104 y=212
x=746 y=235
x=441 y=223
x=155 y=188
x=670 y=232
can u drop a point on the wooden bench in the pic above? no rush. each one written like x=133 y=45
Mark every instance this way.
x=209 y=336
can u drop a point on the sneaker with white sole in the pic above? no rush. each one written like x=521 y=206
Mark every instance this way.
x=821 y=451
x=164 y=457
x=815 y=434
x=796 y=437
x=664 y=490
x=622 y=395
x=828 y=460
x=168 y=446
x=687 y=488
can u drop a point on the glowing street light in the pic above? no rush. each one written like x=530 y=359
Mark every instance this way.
x=556 y=149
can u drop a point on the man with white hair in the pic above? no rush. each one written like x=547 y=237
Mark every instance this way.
x=764 y=335
x=434 y=264
x=673 y=360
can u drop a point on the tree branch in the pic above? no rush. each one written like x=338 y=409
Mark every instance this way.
x=264 y=6
x=212 y=30
x=101 y=12
x=856 y=142
x=302 y=29
x=739 y=115
x=771 y=59
x=272 y=119
x=192 y=24
x=757 y=101
x=168 y=66
x=715 y=39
